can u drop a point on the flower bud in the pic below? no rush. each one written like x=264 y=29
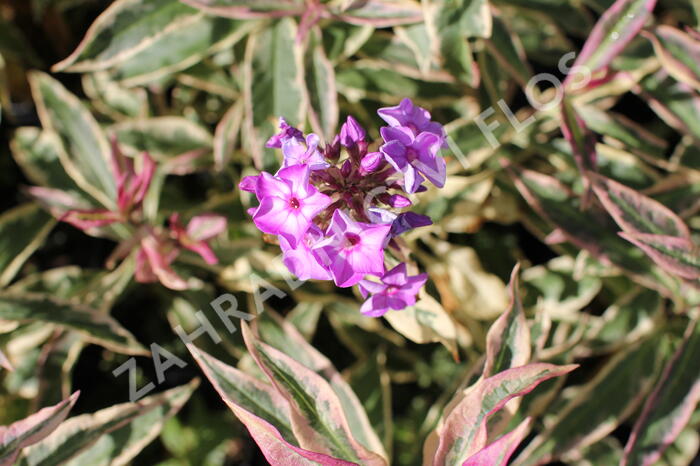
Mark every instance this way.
x=372 y=162
x=346 y=169
x=351 y=133
x=398 y=201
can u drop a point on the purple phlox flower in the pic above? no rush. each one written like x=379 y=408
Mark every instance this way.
x=396 y=291
x=303 y=261
x=286 y=133
x=297 y=152
x=288 y=203
x=353 y=249
x=408 y=221
x=351 y=133
x=414 y=157
x=416 y=118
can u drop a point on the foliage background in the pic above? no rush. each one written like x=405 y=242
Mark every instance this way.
x=177 y=81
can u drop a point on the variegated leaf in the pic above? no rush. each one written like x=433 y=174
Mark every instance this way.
x=32 y=429
x=602 y=404
x=615 y=29
x=285 y=337
x=499 y=452
x=317 y=415
x=508 y=340
x=679 y=256
x=111 y=436
x=96 y=327
x=464 y=431
x=636 y=213
x=679 y=53
x=84 y=151
x=669 y=408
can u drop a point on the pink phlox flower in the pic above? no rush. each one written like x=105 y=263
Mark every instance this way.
x=304 y=153
x=288 y=203
x=353 y=249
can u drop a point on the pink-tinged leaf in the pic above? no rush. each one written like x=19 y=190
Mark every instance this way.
x=636 y=213
x=317 y=415
x=206 y=226
x=499 y=452
x=582 y=141
x=249 y=9
x=379 y=13
x=678 y=52
x=281 y=334
x=278 y=451
x=669 y=408
x=56 y=201
x=4 y=362
x=239 y=389
x=154 y=259
x=87 y=220
x=187 y=163
x=678 y=256
x=263 y=410
x=32 y=429
x=615 y=29
x=508 y=339
x=132 y=187
x=464 y=431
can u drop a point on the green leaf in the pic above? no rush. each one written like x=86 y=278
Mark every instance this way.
x=181 y=48
x=226 y=134
x=317 y=413
x=22 y=230
x=164 y=138
x=323 y=96
x=85 y=152
x=113 y=99
x=98 y=328
x=37 y=152
x=111 y=436
x=669 y=408
x=379 y=13
x=602 y=404
x=273 y=73
x=508 y=340
x=247 y=9
x=32 y=429
x=124 y=29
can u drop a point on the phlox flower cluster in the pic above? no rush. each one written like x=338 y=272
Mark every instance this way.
x=337 y=210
